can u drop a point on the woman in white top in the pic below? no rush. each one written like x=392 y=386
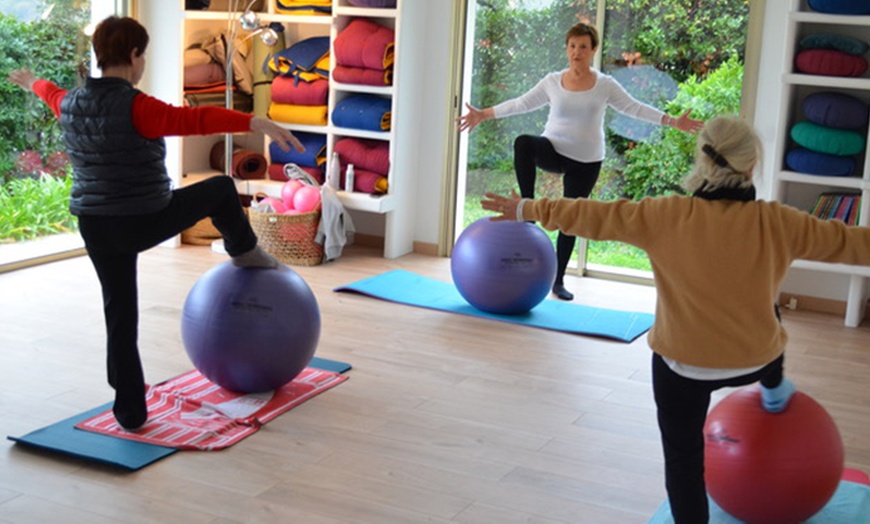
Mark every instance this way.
x=573 y=139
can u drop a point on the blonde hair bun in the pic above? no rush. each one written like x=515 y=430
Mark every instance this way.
x=728 y=150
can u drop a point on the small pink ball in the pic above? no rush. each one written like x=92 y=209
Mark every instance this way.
x=289 y=189
x=306 y=199
x=276 y=204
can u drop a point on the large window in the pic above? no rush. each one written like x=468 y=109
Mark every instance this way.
x=48 y=37
x=673 y=54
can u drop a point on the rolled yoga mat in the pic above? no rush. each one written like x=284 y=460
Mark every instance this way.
x=262 y=74
x=246 y=164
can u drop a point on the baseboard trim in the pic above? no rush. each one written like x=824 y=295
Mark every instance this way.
x=818 y=305
x=420 y=248
x=368 y=240
x=426 y=248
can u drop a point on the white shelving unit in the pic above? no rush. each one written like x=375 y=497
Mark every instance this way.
x=395 y=207
x=802 y=190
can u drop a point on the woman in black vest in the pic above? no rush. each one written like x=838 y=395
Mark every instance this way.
x=122 y=194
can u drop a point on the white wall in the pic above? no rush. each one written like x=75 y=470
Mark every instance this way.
x=162 y=19
x=436 y=120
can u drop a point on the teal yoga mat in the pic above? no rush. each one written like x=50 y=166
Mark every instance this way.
x=405 y=287
x=62 y=437
x=850 y=503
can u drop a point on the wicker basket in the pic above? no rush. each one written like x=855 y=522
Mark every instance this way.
x=203 y=233
x=289 y=238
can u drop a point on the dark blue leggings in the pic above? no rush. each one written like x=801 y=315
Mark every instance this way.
x=682 y=405
x=113 y=244
x=578 y=180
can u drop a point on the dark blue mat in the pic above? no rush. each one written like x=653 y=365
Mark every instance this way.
x=415 y=290
x=63 y=437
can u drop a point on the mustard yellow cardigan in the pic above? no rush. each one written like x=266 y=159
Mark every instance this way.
x=718 y=266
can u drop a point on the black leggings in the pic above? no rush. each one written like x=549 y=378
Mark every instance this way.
x=682 y=405
x=113 y=244
x=532 y=152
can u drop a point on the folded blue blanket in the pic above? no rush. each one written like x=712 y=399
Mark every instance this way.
x=301 y=57
x=364 y=111
x=314 y=155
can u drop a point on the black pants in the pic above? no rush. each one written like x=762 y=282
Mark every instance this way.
x=113 y=244
x=532 y=152
x=682 y=405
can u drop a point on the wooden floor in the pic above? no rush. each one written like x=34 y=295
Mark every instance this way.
x=445 y=418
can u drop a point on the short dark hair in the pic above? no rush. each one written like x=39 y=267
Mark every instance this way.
x=115 y=38
x=581 y=29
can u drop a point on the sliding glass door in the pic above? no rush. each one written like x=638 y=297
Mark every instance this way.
x=676 y=55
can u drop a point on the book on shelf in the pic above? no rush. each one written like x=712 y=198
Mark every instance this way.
x=845 y=207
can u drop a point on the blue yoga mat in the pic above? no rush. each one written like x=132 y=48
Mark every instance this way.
x=409 y=288
x=63 y=437
x=850 y=503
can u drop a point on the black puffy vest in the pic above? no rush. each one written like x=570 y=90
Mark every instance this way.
x=116 y=171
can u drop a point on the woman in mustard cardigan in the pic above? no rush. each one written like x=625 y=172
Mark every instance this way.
x=718 y=258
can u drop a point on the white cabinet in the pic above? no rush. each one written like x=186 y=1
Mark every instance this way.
x=801 y=189
x=393 y=212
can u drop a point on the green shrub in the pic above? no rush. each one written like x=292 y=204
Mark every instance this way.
x=658 y=167
x=33 y=207
x=54 y=49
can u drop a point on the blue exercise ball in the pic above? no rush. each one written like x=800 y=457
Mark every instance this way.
x=250 y=330
x=503 y=267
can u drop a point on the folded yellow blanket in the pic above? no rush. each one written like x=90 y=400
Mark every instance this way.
x=303 y=7
x=296 y=114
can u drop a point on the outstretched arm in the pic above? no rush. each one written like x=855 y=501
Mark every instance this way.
x=23 y=78
x=506 y=207
x=683 y=122
x=282 y=136
x=47 y=91
x=473 y=117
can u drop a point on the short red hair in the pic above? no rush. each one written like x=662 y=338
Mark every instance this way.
x=115 y=38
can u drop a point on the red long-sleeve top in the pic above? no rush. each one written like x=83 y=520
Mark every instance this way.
x=154 y=118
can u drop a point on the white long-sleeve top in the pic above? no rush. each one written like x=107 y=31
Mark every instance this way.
x=575 y=125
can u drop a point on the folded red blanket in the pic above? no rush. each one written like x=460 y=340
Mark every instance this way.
x=367 y=181
x=363 y=76
x=365 y=44
x=369 y=155
x=276 y=172
x=286 y=90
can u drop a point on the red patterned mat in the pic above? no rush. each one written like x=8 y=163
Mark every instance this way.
x=191 y=413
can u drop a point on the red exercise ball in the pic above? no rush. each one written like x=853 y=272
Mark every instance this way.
x=771 y=468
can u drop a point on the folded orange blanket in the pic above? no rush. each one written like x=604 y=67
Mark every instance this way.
x=286 y=90
x=296 y=114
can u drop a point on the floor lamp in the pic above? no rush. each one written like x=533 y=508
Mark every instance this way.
x=249 y=21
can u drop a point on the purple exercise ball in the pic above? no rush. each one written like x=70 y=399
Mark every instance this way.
x=250 y=330
x=503 y=267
